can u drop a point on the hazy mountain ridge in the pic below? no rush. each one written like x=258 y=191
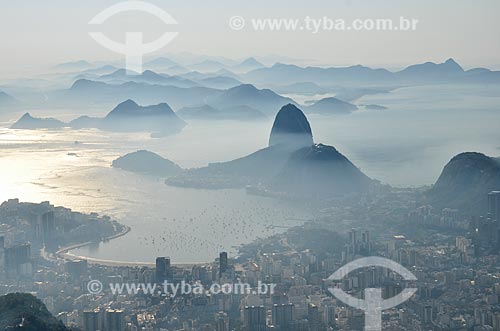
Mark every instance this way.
x=127 y=116
x=74 y=65
x=220 y=82
x=7 y=100
x=22 y=311
x=94 y=92
x=207 y=112
x=247 y=65
x=465 y=182
x=195 y=88
x=320 y=170
x=150 y=77
x=263 y=100
x=283 y=74
x=304 y=88
x=448 y=72
x=88 y=91
x=29 y=122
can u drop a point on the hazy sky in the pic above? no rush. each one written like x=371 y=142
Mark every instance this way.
x=38 y=33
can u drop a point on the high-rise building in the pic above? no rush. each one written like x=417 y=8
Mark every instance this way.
x=18 y=260
x=2 y=255
x=254 y=318
x=329 y=315
x=163 y=270
x=313 y=317
x=282 y=316
x=279 y=298
x=221 y=321
x=427 y=312
x=366 y=244
x=496 y=322
x=114 y=320
x=494 y=205
x=353 y=239
x=223 y=263
x=76 y=268
x=395 y=244
x=91 y=320
x=44 y=224
x=48 y=226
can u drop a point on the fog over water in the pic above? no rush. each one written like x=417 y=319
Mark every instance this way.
x=405 y=145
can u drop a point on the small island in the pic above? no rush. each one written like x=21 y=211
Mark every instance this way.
x=146 y=162
x=331 y=106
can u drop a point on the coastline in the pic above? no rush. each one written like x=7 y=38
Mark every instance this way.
x=64 y=254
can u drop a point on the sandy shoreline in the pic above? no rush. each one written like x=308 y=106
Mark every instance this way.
x=64 y=254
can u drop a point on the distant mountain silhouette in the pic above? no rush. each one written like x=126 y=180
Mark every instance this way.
x=82 y=85
x=247 y=65
x=94 y=73
x=226 y=73
x=243 y=112
x=291 y=129
x=102 y=70
x=285 y=74
x=23 y=311
x=29 y=122
x=91 y=92
x=160 y=62
x=206 y=112
x=304 y=88
x=196 y=75
x=7 y=100
x=354 y=93
x=219 y=82
x=129 y=116
x=430 y=70
x=147 y=162
x=360 y=76
x=207 y=66
x=76 y=65
x=264 y=100
x=148 y=76
x=331 y=106
x=177 y=70
x=86 y=122
x=320 y=170
x=465 y=182
x=481 y=77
